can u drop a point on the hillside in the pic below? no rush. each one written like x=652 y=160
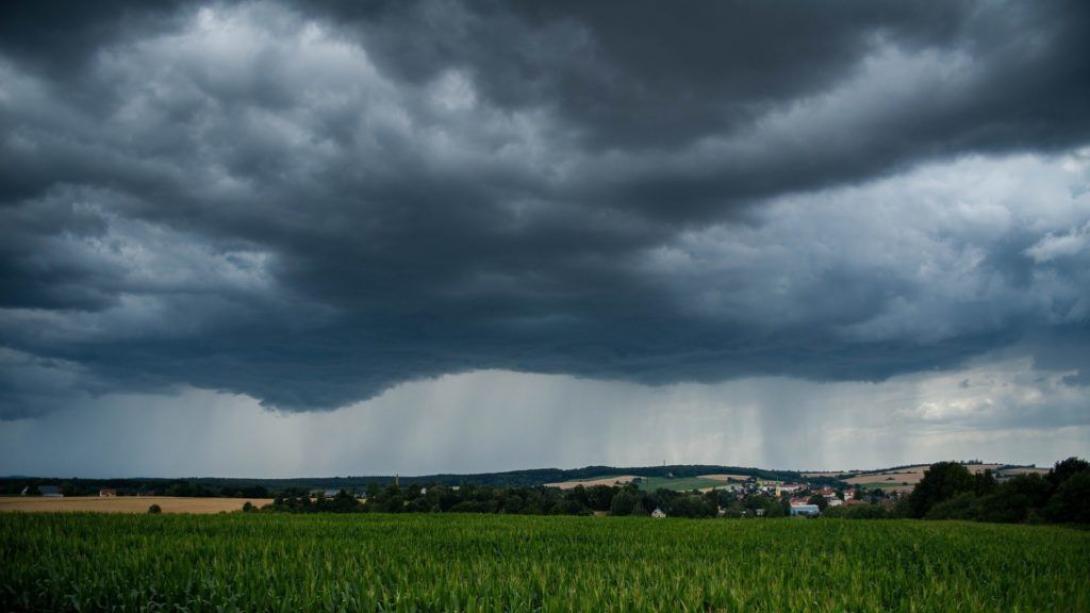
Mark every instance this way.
x=522 y=478
x=676 y=476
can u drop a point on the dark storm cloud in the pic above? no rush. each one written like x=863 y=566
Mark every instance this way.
x=310 y=203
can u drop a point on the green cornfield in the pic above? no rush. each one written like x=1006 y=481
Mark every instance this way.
x=265 y=562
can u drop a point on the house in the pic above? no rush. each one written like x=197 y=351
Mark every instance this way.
x=805 y=510
x=658 y=513
x=324 y=493
x=107 y=492
x=835 y=502
x=760 y=512
x=52 y=491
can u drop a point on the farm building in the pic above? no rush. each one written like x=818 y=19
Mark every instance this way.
x=52 y=491
x=805 y=510
x=326 y=493
x=107 y=492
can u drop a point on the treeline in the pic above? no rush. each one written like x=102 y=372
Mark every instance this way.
x=516 y=478
x=133 y=487
x=949 y=491
x=614 y=500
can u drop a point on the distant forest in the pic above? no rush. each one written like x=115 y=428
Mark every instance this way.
x=270 y=488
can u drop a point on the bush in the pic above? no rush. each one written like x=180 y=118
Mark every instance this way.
x=155 y=509
x=1013 y=501
x=858 y=511
x=963 y=506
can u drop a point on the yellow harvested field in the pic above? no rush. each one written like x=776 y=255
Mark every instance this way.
x=1024 y=470
x=909 y=475
x=125 y=504
x=888 y=477
x=722 y=477
x=570 y=485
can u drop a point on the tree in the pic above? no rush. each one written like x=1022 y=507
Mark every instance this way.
x=624 y=503
x=690 y=506
x=965 y=505
x=819 y=500
x=984 y=482
x=155 y=509
x=599 y=497
x=1066 y=469
x=393 y=504
x=1013 y=501
x=257 y=491
x=343 y=502
x=1071 y=502
x=373 y=490
x=942 y=481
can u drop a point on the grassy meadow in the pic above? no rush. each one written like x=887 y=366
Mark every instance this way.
x=497 y=562
x=680 y=484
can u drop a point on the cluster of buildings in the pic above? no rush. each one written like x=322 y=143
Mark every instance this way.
x=800 y=494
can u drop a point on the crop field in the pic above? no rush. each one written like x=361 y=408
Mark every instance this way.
x=680 y=484
x=497 y=562
x=125 y=504
x=608 y=480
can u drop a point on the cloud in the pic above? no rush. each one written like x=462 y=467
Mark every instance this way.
x=308 y=204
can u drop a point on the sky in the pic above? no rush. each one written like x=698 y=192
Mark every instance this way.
x=280 y=238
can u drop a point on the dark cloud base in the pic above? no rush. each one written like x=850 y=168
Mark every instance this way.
x=410 y=189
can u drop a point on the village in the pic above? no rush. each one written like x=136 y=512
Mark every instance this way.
x=660 y=492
